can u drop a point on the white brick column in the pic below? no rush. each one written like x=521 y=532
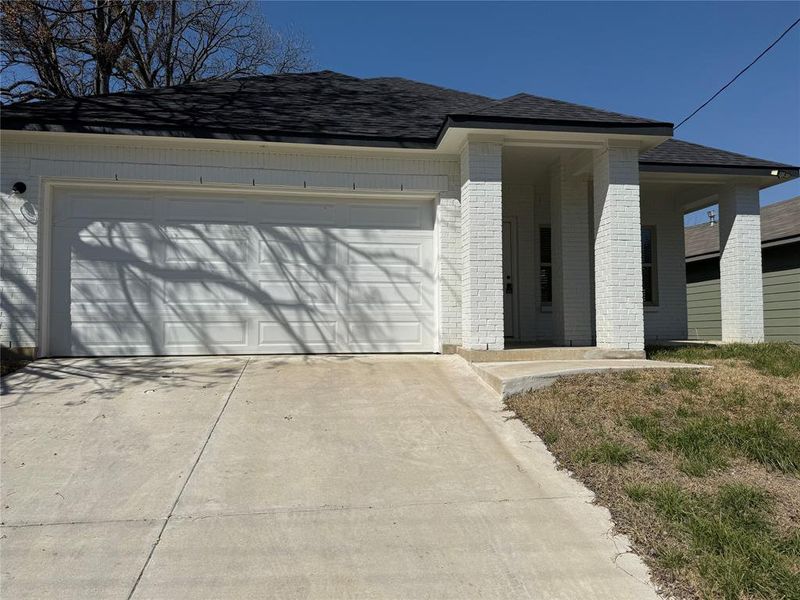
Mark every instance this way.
x=740 y=265
x=481 y=246
x=569 y=222
x=619 y=315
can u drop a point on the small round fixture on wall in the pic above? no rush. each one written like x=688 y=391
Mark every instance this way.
x=19 y=187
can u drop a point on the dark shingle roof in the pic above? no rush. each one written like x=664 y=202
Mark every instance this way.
x=536 y=107
x=303 y=107
x=778 y=221
x=679 y=153
x=328 y=107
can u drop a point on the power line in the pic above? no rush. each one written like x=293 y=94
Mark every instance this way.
x=739 y=74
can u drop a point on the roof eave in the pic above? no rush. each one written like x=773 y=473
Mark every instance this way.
x=744 y=170
x=208 y=134
x=530 y=124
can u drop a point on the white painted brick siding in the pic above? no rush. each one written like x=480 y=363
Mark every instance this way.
x=449 y=215
x=740 y=265
x=482 y=246
x=569 y=221
x=147 y=160
x=617 y=249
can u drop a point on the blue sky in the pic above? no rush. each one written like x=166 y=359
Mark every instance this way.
x=653 y=59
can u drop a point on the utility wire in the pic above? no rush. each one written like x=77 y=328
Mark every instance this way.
x=739 y=74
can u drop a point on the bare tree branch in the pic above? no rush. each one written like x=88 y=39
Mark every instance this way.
x=67 y=48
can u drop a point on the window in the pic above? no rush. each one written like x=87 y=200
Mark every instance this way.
x=545 y=267
x=649 y=279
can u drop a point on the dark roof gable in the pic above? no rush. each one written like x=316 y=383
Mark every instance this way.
x=305 y=106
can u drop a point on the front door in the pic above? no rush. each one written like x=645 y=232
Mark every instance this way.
x=509 y=276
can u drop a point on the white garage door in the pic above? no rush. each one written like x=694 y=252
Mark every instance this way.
x=173 y=274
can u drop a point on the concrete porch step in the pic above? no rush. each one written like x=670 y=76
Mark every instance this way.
x=547 y=353
x=509 y=378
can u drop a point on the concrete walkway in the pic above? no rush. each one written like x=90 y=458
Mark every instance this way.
x=509 y=378
x=328 y=477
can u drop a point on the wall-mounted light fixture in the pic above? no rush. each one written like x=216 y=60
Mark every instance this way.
x=712 y=218
x=780 y=174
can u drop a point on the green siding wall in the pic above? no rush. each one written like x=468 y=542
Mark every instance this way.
x=705 y=313
x=781 y=307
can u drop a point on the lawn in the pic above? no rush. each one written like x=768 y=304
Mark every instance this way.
x=701 y=469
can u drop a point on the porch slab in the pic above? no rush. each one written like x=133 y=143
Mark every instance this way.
x=509 y=378
x=547 y=353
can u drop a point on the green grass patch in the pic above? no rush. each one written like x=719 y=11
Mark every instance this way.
x=728 y=539
x=605 y=453
x=649 y=427
x=764 y=440
x=705 y=443
x=779 y=359
x=684 y=379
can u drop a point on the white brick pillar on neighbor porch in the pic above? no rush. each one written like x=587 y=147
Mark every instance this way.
x=482 y=246
x=569 y=222
x=742 y=298
x=619 y=312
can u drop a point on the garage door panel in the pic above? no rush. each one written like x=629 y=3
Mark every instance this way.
x=112 y=249
x=369 y=332
x=192 y=293
x=205 y=231
x=387 y=216
x=101 y=291
x=180 y=210
x=295 y=335
x=312 y=293
x=204 y=333
x=386 y=293
x=384 y=254
x=193 y=252
x=220 y=275
x=129 y=333
x=91 y=207
x=312 y=252
x=305 y=214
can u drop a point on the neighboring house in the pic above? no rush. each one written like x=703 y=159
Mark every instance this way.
x=780 y=263
x=324 y=213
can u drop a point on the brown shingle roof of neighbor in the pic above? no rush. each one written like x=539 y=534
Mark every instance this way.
x=681 y=153
x=778 y=221
x=328 y=107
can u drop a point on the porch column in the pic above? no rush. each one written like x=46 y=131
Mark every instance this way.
x=619 y=314
x=742 y=297
x=482 y=246
x=569 y=221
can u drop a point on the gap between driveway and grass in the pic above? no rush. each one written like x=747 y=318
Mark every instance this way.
x=699 y=468
x=186 y=480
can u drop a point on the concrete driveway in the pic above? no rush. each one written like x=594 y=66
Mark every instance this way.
x=328 y=477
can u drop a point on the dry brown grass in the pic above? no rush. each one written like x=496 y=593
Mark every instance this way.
x=700 y=439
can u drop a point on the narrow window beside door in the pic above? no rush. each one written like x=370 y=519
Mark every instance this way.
x=649 y=279
x=545 y=267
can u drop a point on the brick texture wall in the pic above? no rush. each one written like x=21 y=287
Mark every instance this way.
x=617 y=246
x=740 y=265
x=482 y=246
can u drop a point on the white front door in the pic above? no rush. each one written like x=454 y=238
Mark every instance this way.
x=174 y=273
x=509 y=276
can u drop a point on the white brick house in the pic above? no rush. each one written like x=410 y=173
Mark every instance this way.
x=325 y=213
